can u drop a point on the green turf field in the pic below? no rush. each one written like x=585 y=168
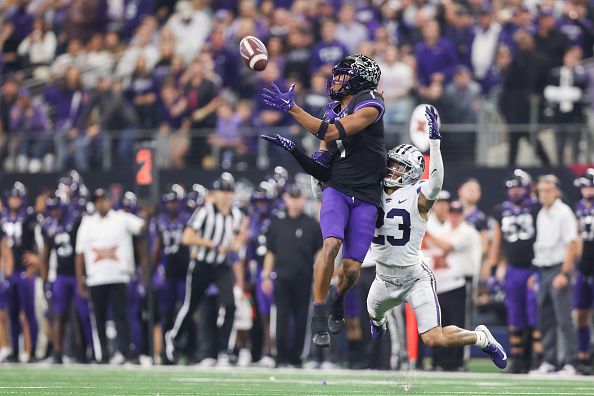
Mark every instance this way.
x=134 y=380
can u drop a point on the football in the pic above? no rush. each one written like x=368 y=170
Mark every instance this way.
x=253 y=53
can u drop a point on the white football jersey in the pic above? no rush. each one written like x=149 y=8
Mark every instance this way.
x=399 y=229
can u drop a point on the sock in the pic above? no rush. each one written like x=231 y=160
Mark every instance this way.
x=481 y=340
x=583 y=334
x=319 y=309
x=335 y=295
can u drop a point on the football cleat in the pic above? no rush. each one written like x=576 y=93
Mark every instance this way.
x=321 y=337
x=493 y=348
x=377 y=332
x=336 y=319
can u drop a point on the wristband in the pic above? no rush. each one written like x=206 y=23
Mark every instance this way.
x=322 y=130
x=567 y=275
x=341 y=131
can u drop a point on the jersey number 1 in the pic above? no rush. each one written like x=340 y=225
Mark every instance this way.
x=402 y=237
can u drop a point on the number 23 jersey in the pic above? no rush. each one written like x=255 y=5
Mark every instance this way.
x=399 y=228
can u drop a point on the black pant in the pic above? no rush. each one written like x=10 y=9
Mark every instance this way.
x=453 y=308
x=291 y=297
x=101 y=296
x=200 y=276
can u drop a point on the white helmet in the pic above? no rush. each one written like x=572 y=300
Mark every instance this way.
x=414 y=162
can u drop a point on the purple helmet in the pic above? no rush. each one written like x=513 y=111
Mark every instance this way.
x=173 y=193
x=518 y=178
x=18 y=189
x=586 y=179
x=72 y=184
x=128 y=203
x=195 y=197
x=58 y=200
x=262 y=198
x=359 y=74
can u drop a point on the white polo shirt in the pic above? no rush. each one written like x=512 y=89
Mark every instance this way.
x=106 y=243
x=555 y=228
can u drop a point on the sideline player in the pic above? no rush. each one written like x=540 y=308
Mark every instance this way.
x=354 y=126
x=584 y=284
x=514 y=229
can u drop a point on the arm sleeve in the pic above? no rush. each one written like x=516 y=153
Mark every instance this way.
x=311 y=166
x=433 y=186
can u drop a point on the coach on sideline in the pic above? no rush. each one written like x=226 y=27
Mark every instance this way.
x=105 y=254
x=554 y=252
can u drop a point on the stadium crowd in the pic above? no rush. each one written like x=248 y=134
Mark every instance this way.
x=170 y=71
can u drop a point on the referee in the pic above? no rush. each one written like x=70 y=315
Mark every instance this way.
x=211 y=233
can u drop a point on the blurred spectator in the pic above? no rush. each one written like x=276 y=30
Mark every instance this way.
x=108 y=111
x=142 y=47
x=32 y=127
x=83 y=19
x=9 y=44
x=328 y=51
x=275 y=48
x=567 y=86
x=381 y=41
x=349 y=32
x=396 y=84
x=521 y=19
x=577 y=27
x=228 y=136
x=525 y=81
x=68 y=99
x=72 y=57
x=549 y=40
x=462 y=97
x=10 y=90
x=95 y=61
x=248 y=12
x=491 y=84
x=190 y=29
x=226 y=61
x=203 y=99
x=281 y=21
x=298 y=54
x=317 y=98
x=21 y=19
x=142 y=93
x=436 y=57
x=114 y=46
x=267 y=116
x=368 y=15
x=483 y=43
x=39 y=47
x=172 y=140
x=459 y=29
x=134 y=12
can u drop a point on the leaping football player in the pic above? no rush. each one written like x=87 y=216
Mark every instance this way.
x=402 y=272
x=354 y=126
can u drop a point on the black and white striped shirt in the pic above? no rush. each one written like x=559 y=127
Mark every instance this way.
x=212 y=225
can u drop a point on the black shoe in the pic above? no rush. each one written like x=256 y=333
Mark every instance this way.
x=336 y=320
x=319 y=329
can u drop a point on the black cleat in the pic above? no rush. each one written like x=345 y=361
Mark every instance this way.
x=336 y=320
x=321 y=339
x=335 y=323
x=319 y=329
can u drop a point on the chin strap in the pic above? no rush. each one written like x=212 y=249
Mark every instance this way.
x=433 y=186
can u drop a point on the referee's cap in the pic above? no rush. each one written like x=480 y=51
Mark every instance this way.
x=101 y=193
x=226 y=182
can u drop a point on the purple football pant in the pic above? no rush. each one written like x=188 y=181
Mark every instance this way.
x=583 y=293
x=350 y=220
x=172 y=291
x=352 y=303
x=22 y=297
x=65 y=288
x=265 y=301
x=520 y=301
x=134 y=300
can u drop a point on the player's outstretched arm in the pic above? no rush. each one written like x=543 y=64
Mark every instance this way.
x=346 y=126
x=318 y=165
x=430 y=189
